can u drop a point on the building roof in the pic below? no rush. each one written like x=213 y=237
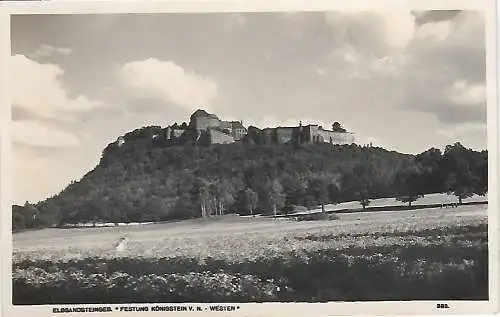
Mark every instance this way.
x=202 y=113
x=237 y=125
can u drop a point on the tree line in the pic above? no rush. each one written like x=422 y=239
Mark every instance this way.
x=141 y=181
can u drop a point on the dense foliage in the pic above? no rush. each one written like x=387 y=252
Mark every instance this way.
x=431 y=264
x=146 y=179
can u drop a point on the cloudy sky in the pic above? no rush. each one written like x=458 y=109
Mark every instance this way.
x=406 y=81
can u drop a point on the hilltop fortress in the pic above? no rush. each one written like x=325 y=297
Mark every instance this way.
x=206 y=128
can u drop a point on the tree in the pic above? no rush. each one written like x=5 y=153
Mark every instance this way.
x=223 y=196
x=202 y=193
x=337 y=127
x=250 y=200
x=18 y=220
x=364 y=200
x=30 y=214
x=431 y=169
x=50 y=212
x=334 y=194
x=360 y=182
x=407 y=185
x=458 y=165
x=294 y=189
x=480 y=169
x=153 y=209
x=179 y=175
x=276 y=197
x=317 y=189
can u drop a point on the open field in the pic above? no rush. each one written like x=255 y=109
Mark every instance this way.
x=431 y=199
x=148 y=240
x=420 y=254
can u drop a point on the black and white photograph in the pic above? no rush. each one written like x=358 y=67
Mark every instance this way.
x=323 y=156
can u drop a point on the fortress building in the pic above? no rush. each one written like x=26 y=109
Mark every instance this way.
x=301 y=135
x=218 y=131
x=207 y=128
x=317 y=134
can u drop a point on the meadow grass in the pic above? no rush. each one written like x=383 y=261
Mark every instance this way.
x=424 y=255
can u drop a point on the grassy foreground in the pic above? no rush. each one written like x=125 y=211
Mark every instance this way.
x=416 y=263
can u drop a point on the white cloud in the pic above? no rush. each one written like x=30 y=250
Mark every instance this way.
x=350 y=56
x=469 y=28
x=346 y=54
x=464 y=94
x=170 y=82
x=392 y=65
x=398 y=27
x=37 y=177
x=356 y=65
x=371 y=43
x=320 y=71
x=374 y=141
x=38 y=89
x=47 y=50
x=392 y=30
x=436 y=31
x=466 y=132
x=35 y=133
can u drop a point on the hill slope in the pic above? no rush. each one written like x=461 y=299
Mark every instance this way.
x=144 y=180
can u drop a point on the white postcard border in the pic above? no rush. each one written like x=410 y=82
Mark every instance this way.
x=267 y=309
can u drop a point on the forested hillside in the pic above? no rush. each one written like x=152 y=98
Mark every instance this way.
x=144 y=180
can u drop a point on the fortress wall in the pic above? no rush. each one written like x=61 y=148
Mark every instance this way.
x=267 y=136
x=168 y=133
x=214 y=122
x=255 y=134
x=218 y=137
x=307 y=133
x=226 y=125
x=348 y=138
x=203 y=123
x=284 y=135
x=177 y=133
x=336 y=137
x=239 y=133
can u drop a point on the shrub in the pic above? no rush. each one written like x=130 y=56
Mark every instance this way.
x=291 y=209
x=317 y=216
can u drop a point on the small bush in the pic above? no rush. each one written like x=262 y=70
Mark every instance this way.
x=291 y=209
x=317 y=216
